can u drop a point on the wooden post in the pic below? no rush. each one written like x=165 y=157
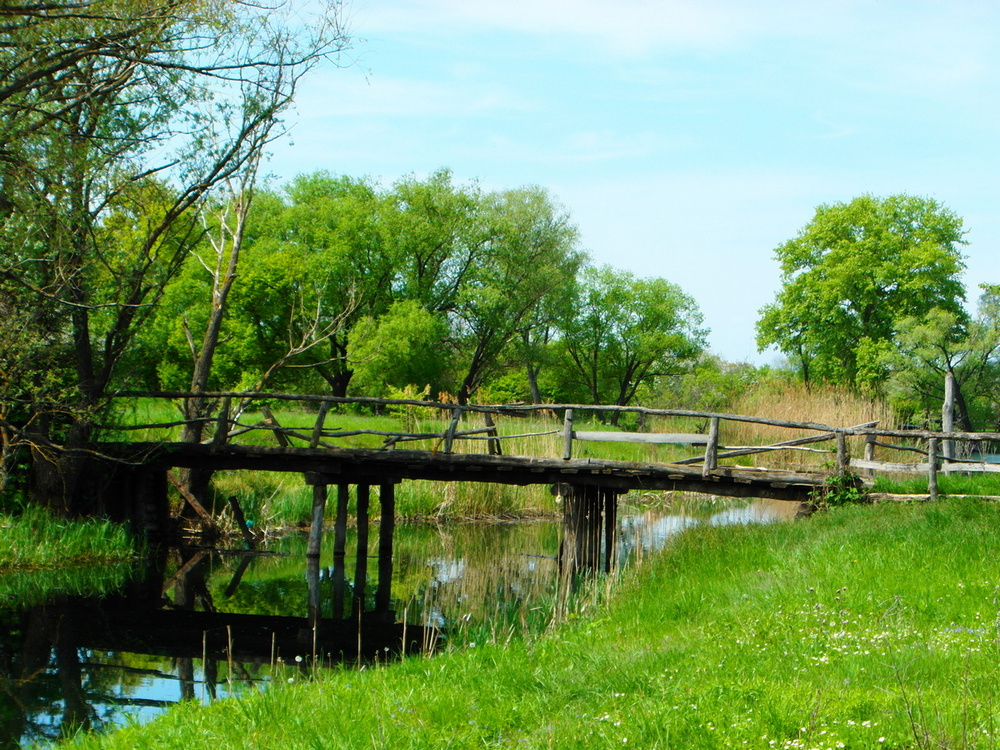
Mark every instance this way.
x=493 y=444
x=339 y=551
x=568 y=435
x=313 y=591
x=241 y=521
x=386 y=528
x=275 y=427
x=582 y=525
x=843 y=457
x=948 y=419
x=317 y=432
x=449 y=435
x=932 y=449
x=316 y=526
x=610 y=528
x=712 y=449
x=361 y=560
x=869 y=453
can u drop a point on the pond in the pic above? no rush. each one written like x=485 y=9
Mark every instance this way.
x=199 y=624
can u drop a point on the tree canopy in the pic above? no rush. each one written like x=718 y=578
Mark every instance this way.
x=118 y=122
x=852 y=274
x=625 y=332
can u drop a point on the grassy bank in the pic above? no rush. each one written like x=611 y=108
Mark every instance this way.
x=866 y=627
x=36 y=539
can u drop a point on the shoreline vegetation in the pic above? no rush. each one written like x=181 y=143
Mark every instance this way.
x=34 y=539
x=874 y=626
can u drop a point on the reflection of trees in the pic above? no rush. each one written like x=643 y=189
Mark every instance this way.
x=47 y=693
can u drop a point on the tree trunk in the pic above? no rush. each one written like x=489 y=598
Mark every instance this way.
x=536 y=394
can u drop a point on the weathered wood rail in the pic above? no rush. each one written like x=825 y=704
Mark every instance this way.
x=938 y=447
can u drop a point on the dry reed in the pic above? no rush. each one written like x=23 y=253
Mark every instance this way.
x=836 y=406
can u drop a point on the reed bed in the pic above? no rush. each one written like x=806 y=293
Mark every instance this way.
x=835 y=406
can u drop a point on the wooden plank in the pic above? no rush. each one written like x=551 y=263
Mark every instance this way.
x=189 y=498
x=887 y=466
x=643 y=437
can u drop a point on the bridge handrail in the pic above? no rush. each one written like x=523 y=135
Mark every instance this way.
x=713 y=451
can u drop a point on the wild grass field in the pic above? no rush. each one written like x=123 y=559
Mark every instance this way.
x=34 y=539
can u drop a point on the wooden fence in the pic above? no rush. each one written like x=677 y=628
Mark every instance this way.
x=935 y=451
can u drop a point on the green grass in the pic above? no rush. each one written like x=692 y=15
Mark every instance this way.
x=36 y=539
x=948 y=484
x=865 y=627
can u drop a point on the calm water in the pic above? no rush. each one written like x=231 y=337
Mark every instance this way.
x=202 y=625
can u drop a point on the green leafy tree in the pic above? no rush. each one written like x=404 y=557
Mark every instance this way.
x=940 y=345
x=402 y=347
x=626 y=332
x=528 y=256
x=435 y=239
x=118 y=122
x=852 y=274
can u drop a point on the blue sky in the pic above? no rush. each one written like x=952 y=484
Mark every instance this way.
x=686 y=138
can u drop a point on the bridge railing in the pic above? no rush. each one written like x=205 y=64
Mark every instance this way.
x=929 y=451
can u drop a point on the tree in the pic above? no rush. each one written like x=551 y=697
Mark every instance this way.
x=403 y=346
x=626 y=332
x=940 y=345
x=528 y=256
x=118 y=120
x=852 y=274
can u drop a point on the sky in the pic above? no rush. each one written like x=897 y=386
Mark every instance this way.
x=686 y=139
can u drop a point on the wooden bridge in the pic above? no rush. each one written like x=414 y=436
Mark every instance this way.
x=495 y=453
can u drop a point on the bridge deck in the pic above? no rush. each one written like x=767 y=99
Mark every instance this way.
x=371 y=466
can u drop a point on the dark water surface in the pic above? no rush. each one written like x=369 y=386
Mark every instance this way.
x=122 y=645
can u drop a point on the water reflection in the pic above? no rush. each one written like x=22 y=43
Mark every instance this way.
x=198 y=625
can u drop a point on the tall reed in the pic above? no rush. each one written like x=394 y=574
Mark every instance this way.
x=836 y=406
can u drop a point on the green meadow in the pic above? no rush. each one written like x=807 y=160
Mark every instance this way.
x=862 y=627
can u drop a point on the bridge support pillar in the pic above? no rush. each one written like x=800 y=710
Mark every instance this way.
x=589 y=526
x=382 y=610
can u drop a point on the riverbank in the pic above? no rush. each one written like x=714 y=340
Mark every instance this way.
x=35 y=539
x=865 y=627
